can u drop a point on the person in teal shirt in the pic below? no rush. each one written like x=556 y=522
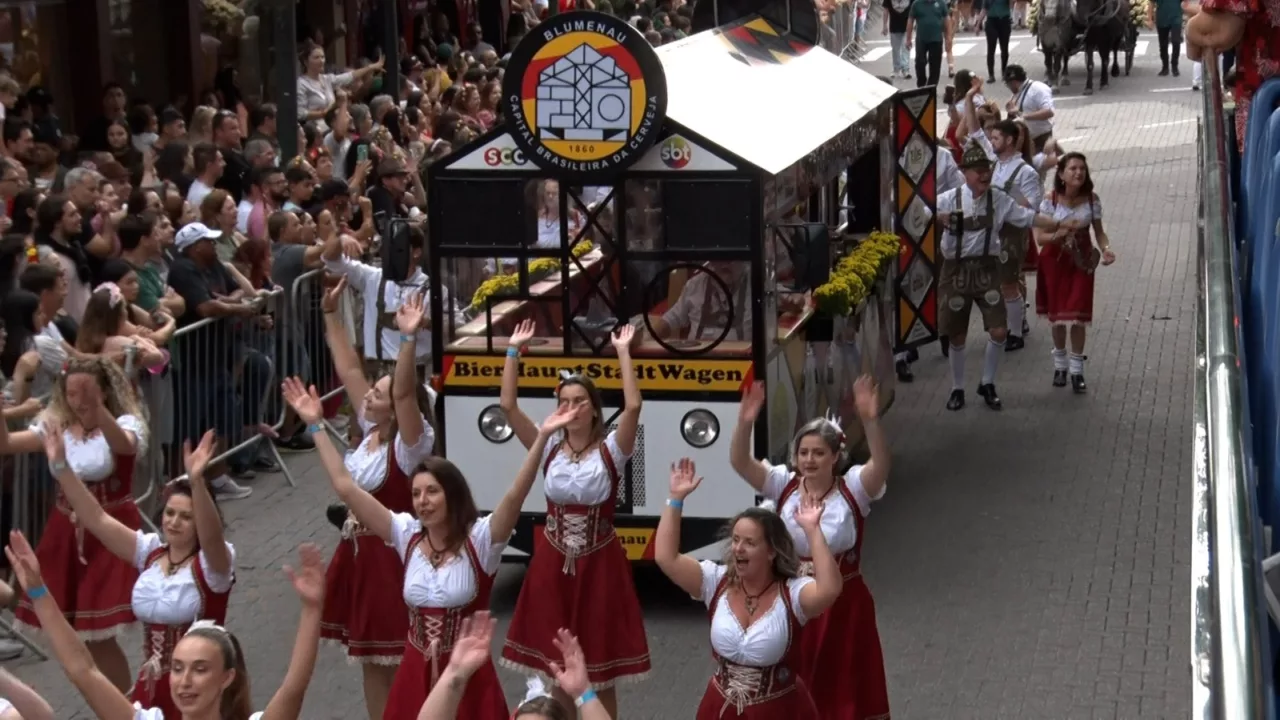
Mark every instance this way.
x=1168 y=22
x=998 y=26
x=929 y=19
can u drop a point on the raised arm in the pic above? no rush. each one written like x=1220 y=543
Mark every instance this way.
x=208 y=523
x=106 y=701
x=572 y=675
x=821 y=594
x=404 y=395
x=308 y=582
x=28 y=703
x=371 y=513
x=875 y=473
x=470 y=653
x=683 y=570
x=740 y=453
x=629 y=420
x=119 y=440
x=523 y=427
x=346 y=362
x=505 y=515
x=113 y=534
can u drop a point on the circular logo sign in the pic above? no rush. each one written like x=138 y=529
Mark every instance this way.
x=676 y=152
x=584 y=93
x=496 y=157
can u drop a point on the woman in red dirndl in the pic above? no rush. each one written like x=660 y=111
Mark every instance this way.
x=839 y=657
x=579 y=578
x=186 y=575
x=449 y=559
x=103 y=431
x=758 y=600
x=1064 y=279
x=359 y=613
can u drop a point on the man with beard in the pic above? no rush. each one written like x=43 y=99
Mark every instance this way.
x=272 y=192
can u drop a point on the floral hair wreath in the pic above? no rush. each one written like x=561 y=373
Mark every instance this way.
x=833 y=422
x=114 y=295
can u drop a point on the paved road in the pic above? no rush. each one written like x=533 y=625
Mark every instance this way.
x=1031 y=564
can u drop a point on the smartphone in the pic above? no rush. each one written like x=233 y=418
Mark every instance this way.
x=362 y=153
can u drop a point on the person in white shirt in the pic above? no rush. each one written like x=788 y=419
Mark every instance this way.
x=209 y=165
x=1015 y=174
x=972 y=217
x=317 y=90
x=1032 y=101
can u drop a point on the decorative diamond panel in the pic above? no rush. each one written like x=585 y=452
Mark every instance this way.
x=915 y=206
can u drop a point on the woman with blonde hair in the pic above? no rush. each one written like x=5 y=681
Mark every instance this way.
x=105 y=330
x=200 y=130
x=104 y=432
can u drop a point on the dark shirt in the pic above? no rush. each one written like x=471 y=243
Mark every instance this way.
x=208 y=348
x=930 y=17
x=897 y=17
x=1168 y=13
x=234 y=175
x=385 y=207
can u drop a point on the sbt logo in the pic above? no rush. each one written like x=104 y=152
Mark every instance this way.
x=493 y=157
x=675 y=152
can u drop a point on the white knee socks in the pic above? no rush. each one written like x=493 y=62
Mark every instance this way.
x=1075 y=364
x=1059 y=358
x=956 y=358
x=990 y=360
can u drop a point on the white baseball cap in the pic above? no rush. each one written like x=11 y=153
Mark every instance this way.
x=191 y=234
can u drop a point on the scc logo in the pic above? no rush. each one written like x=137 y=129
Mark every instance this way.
x=675 y=152
x=493 y=157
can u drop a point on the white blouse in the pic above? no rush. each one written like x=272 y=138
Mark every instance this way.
x=764 y=641
x=1083 y=213
x=172 y=599
x=454 y=583
x=368 y=464
x=91 y=459
x=838 y=527
x=585 y=482
x=158 y=714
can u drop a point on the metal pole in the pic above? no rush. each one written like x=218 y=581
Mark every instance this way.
x=284 y=27
x=391 y=49
x=1237 y=618
x=553 y=7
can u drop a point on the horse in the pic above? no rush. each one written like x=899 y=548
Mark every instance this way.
x=1056 y=30
x=1105 y=24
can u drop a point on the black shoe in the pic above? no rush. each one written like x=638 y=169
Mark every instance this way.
x=1014 y=342
x=904 y=371
x=337 y=515
x=242 y=472
x=956 y=401
x=913 y=355
x=1059 y=378
x=300 y=442
x=988 y=393
x=1175 y=71
x=991 y=78
x=266 y=464
x=1164 y=71
x=1077 y=384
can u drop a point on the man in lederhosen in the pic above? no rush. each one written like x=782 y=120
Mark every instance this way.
x=973 y=216
x=1016 y=177
x=1033 y=102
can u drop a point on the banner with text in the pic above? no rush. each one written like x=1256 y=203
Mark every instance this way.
x=651 y=374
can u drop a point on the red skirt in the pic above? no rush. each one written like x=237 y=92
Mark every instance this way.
x=482 y=700
x=155 y=695
x=840 y=658
x=1064 y=292
x=363 y=607
x=597 y=603
x=795 y=705
x=96 y=596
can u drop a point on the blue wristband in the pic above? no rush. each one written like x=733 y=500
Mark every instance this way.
x=513 y=352
x=408 y=338
x=315 y=429
x=677 y=504
x=36 y=593
x=585 y=697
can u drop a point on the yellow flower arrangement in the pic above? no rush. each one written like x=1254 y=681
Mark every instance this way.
x=856 y=273
x=538 y=268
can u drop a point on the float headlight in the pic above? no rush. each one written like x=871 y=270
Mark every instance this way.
x=700 y=428
x=494 y=426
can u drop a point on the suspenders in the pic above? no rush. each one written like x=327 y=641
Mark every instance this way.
x=991 y=226
x=1013 y=177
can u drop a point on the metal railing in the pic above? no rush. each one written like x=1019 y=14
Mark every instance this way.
x=1230 y=645
x=838 y=31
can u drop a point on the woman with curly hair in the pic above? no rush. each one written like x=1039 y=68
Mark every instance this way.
x=104 y=432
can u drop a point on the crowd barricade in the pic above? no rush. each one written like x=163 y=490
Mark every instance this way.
x=1236 y=493
x=27 y=493
x=839 y=32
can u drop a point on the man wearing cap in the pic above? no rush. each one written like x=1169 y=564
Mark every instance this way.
x=972 y=217
x=1033 y=102
x=388 y=196
x=205 y=385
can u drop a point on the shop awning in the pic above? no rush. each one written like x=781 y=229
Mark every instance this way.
x=765 y=96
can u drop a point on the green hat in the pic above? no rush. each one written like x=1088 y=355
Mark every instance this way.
x=974 y=156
